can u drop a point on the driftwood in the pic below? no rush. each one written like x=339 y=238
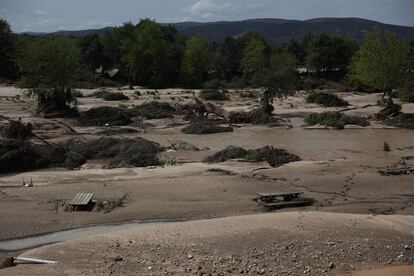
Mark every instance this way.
x=32 y=261
x=26 y=132
x=199 y=111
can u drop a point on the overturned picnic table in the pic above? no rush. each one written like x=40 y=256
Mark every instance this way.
x=282 y=200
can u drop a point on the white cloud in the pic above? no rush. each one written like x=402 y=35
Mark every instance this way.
x=212 y=9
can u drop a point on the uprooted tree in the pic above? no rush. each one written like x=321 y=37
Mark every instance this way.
x=49 y=68
x=382 y=62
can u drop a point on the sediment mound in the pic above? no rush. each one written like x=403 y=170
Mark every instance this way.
x=154 y=110
x=275 y=157
x=228 y=153
x=335 y=119
x=103 y=115
x=326 y=99
x=205 y=128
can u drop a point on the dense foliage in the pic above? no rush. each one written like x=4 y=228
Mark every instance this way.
x=7 y=51
x=383 y=61
x=156 y=55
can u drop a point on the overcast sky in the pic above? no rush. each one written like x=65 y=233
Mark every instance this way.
x=52 y=15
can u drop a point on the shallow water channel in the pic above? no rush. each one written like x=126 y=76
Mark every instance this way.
x=65 y=235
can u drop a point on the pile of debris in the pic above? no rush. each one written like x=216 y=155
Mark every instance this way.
x=18 y=153
x=402 y=120
x=106 y=115
x=275 y=157
x=231 y=152
x=154 y=110
x=326 y=99
x=55 y=104
x=17 y=130
x=256 y=117
x=18 y=156
x=120 y=152
x=25 y=155
x=261 y=115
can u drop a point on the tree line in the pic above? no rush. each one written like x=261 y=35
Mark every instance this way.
x=157 y=56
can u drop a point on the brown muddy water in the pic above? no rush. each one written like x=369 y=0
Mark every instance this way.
x=314 y=144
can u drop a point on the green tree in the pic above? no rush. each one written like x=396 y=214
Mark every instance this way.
x=227 y=59
x=280 y=79
x=8 y=67
x=327 y=53
x=150 y=56
x=382 y=62
x=112 y=42
x=254 y=60
x=196 y=61
x=50 y=67
x=91 y=51
x=296 y=48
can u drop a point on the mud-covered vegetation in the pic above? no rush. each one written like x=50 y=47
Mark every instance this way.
x=326 y=99
x=106 y=115
x=154 y=110
x=213 y=95
x=335 y=119
x=402 y=120
x=275 y=157
x=110 y=96
x=120 y=152
x=205 y=127
x=18 y=156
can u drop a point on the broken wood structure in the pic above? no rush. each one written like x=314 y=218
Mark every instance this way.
x=282 y=200
x=82 y=202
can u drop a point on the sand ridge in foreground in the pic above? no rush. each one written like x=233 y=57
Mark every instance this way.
x=289 y=243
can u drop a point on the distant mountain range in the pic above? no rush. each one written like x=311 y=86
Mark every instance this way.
x=277 y=30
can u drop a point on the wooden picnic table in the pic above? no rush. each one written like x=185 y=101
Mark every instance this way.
x=270 y=197
x=281 y=200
